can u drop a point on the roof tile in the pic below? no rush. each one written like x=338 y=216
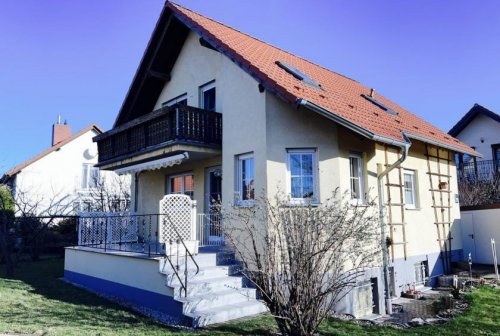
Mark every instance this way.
x=337 y=92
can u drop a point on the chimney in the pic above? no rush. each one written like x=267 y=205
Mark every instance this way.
x=60 y=132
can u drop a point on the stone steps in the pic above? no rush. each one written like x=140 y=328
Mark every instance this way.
x=214 y=294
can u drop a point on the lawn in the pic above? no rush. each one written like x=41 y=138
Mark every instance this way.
x=37 y=302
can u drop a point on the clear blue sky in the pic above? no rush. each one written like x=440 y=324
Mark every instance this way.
x=77 y=58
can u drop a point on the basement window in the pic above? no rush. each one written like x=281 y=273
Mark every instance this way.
x=298 y=74
x=379 y=104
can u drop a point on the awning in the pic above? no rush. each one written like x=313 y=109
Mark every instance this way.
x=153 y=165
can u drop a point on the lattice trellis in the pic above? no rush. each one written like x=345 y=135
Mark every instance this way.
x=96 y=228
x=179 y=209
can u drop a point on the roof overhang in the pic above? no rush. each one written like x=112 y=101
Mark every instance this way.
x=154 y=165
x=375 y=137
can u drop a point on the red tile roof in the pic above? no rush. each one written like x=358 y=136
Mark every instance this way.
x=339 y=95
x=13 y=171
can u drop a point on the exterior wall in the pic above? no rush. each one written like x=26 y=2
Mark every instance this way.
x=152 y=185
x=482 y=127
x=290 y=128
x=54 y=181
x=135 y=282
x=237 y=98
x=478 y=228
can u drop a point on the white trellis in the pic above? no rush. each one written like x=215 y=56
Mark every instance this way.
x=179 y=211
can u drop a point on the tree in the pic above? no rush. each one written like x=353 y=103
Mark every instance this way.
x=476 y=191
x=304 y=259
x=7 y=239
x=111 y=193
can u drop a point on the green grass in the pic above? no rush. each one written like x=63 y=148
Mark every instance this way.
x=37 y=302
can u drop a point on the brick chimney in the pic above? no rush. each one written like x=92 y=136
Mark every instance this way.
x=60 y=132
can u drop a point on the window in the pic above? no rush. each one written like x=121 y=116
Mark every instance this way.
x=410 y=189
x=245 y=179
x=356 y=174
x=207 y=96
x=181 y=184
x=302 y=170
x=181 y=100
x=90 y=176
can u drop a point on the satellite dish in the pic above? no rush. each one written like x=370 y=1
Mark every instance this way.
x=90 y=153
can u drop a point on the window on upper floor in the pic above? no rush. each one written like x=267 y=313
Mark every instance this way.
x=181 y=184
x=90 y=176
x=302 y=175
x=181 y=100
x=245 y=179
x=356 y=177
x=207 y=96
x=410 y=188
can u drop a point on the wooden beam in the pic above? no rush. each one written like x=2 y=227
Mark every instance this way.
x=159 y=75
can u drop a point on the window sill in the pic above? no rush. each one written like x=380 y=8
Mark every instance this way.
x=413 y=209
x=304 y=202
x=244 y=204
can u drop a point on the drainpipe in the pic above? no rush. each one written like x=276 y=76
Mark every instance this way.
x=404 y=145
x=383 y=234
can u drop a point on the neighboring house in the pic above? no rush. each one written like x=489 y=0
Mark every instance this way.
x=63 y=179
x=218 y=115
x=479 y=178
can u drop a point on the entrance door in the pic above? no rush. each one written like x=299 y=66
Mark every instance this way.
x=213 y=202
x=468 y=235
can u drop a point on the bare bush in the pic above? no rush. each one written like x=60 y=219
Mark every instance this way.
x=304 y=259
x=474 y=191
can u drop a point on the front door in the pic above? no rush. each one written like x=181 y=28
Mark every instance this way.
x=213 y=201
x=469 y=244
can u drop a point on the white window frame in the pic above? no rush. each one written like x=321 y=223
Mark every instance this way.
x=183 y=175
x=88 y=176
x=175 y=100
x=301 y=200
x=239 y=179
x=203 y=89
x=414 y=190
x=361 y=178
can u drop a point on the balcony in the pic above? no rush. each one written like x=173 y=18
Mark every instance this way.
x=485 y=170
x=167 y=126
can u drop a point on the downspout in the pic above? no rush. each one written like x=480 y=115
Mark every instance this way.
x=383 y=234
x=404 y=145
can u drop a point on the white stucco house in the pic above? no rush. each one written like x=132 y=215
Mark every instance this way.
x=214 y=115
x=61 y=180
x=480 y=129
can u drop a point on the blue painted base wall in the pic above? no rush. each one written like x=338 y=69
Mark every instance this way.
x=161 y=307
x=405 y=269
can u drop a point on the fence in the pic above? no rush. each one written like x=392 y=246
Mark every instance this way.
x=479 y=170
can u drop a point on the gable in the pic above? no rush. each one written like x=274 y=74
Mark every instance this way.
x=337 y=97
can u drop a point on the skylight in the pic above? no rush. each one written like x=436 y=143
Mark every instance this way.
x=298 y=74
x=379 y=104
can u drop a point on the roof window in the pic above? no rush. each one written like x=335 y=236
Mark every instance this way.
x=298 y=74
x=374 y=101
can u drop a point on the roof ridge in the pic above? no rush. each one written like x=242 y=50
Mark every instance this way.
x=170 y=4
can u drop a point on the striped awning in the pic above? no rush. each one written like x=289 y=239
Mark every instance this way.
x=153 y=165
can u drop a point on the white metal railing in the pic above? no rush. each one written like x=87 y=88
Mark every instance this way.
x=210 y=230
x=106 y=227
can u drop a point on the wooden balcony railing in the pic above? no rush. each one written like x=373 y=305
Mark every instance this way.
x=159 y=128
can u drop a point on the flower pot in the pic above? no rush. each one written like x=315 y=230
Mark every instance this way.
x=443 y=185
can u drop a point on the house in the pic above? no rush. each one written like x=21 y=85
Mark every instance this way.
x=212 y=117
x=63 y=179
x=479 y=179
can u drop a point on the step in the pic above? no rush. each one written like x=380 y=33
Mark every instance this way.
x=227 y=313
x=204 y=273
x=192 y=304
x=201 y=286
x=202 y=259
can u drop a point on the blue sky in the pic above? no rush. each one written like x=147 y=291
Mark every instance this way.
x=77 y=58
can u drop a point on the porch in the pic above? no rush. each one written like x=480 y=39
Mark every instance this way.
x=153 y=235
